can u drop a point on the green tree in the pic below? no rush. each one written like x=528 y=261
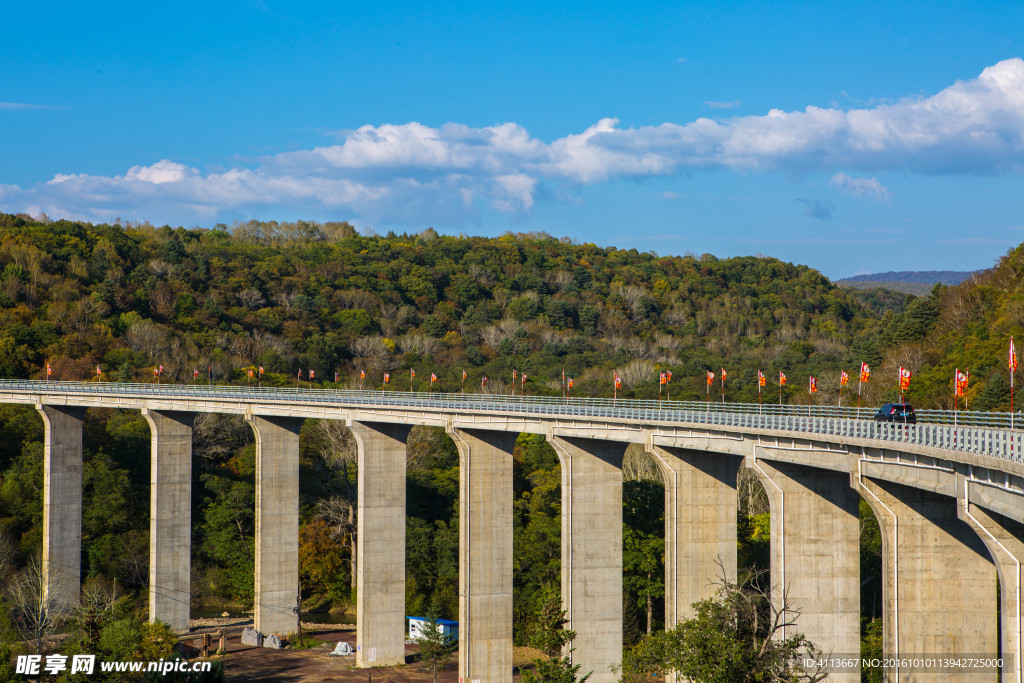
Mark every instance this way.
x=643 y=567
x=436 y=648
x=739 y=637
x=551 y=637
x=643 y=544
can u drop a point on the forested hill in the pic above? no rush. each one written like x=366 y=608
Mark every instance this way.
x=966 y=326
x=927 y=277
x=916 y=282
x=322 y=297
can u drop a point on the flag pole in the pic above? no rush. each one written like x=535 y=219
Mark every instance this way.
x=1013 y=366
x=707 y=396
x=860 y=383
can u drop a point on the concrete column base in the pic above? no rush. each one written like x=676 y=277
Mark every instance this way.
x=485 y=555
x=62 y=503
x=592 y=551
x=170 y=517
x=939 y=585
x=815 y=555
x=380 y=542
x=277 y=523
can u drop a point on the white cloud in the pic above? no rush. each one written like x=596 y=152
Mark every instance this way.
x=9 y=106
x=443 y=175
x=723 y=105
x=860 y=187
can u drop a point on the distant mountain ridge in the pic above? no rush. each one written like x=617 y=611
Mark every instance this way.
x=928 y=277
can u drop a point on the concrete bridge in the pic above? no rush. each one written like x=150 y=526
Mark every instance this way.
x=949 y=500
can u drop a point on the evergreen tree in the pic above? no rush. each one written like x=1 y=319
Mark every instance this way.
x=551 y=637
x=435 y=647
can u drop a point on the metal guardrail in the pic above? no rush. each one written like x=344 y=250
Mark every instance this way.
x=974 y=432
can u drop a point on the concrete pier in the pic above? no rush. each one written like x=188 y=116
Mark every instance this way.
x=170 y=517
x=277 y=523
x=62 y=503
x=592 y=551
x=939 y=584
x=700 y=525
x=380 y=542
x=485 y=555
x=1004 y=539
x=815 y=554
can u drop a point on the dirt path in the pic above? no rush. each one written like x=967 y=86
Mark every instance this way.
x=243 y=663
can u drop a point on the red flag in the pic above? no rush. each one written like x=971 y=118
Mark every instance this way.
x=483 y=382
x=161 y=368
x=668 y=376
x=98 y=371
x=412 y=373
x=49 y=370
x=299 y=376
x=760 y=379
x=865 y=372
x=1013 y=357
x=618 y=382
x=362 y=374
x=195 y=373
x=960 y=380
x=523 y=377
x=904 y=378
x=250 y=373
x=311 y=372
x=433 y=378
x=513 y=375
x=387 y=378
x=844 y=377
x=812 y=386
x=261 y=371
x=663 y=380
x=156 y=373
x=711 y=377
x=723 y=374
x=570 y=382
x=782 y=379
x=464 y=375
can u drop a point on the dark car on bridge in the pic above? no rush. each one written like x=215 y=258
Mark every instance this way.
x=896 y=412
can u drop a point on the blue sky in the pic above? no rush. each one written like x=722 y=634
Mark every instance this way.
x=854 y=139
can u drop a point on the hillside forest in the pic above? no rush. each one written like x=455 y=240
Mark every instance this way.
x=305 y=297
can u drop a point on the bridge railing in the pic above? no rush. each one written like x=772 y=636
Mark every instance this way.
x=975 y=432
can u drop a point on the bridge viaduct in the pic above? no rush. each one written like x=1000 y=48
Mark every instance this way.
x=950 y=503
